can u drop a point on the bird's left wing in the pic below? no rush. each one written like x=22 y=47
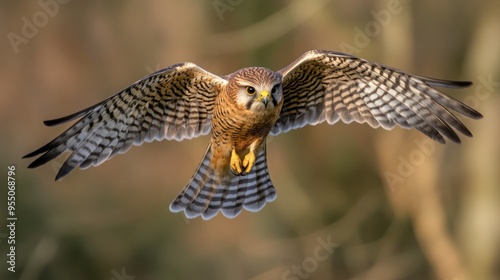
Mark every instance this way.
x=173 y=103
x=327 y=86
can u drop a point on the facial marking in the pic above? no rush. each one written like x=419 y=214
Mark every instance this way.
x=256 y=85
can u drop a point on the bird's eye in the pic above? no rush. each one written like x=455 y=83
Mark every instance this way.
x=273 y=90
x=250 y=90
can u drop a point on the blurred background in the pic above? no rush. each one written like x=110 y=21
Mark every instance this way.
x=353 y=202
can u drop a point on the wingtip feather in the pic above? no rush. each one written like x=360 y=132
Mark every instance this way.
x=446 y=83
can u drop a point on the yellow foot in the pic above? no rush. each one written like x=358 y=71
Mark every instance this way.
x=248 y=161
x=236 y=163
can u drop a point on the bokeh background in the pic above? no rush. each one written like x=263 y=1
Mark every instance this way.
x=353 y=202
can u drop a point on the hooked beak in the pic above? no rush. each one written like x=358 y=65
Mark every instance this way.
x=264 y=97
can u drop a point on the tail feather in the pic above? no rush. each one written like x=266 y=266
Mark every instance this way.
x=261 y=188
x=205 y=194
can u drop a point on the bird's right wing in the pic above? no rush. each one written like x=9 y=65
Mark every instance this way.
x=173 y=103
x=329 y=86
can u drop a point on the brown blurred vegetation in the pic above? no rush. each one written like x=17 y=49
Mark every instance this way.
x=439 y=222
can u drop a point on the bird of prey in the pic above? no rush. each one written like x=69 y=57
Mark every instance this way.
x=241 y=109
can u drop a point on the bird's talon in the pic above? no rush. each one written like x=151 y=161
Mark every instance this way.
x=235 y=163
x=234 y=172
x=248 y=161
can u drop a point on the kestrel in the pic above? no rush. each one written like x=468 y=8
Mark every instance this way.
x=240 y=110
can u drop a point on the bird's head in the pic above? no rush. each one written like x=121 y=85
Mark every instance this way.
x=256 y=88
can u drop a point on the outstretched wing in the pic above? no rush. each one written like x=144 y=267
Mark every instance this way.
x=327 y=86
x=173 y=103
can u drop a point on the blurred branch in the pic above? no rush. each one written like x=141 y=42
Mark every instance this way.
x=266 y=30
x=430 y=224
x=419 y=197
x=484 y=52
x=479 y=226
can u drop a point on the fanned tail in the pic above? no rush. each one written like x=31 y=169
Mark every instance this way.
x=205 y=194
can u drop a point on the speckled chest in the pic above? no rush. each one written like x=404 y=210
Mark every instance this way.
x=238 y=126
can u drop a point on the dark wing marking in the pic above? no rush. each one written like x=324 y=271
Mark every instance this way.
x=173 y=103
x=327 y=86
